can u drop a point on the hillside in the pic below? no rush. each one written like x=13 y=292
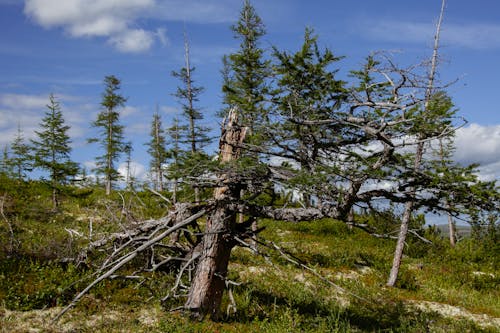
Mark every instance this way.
x=310 y=277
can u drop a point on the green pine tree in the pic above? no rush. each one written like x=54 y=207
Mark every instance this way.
x=195 y=134
x=5 y=164
x=246 y=71
x=51 y=149
x=307 y=90
x=20 y=161
x=110 y=132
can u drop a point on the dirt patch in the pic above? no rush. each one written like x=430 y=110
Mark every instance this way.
x=447 y=310
x=35 y=321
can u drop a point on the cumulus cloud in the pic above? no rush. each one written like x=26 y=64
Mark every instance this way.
x=133 y=41
x=137 y=171
x=480 y=144
x=20 y=110
x=27 y=111
x=467 y=35
x=98 y=18
x=117 y=20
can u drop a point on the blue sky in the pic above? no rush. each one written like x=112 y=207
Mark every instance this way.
x=67 y=47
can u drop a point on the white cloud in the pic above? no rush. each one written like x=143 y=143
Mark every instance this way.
x=97 y=18
x=478 y=144
x=161 y=33
x=467 y=35
x=28 y=111
x=137 y=128
x=86 y=17
x=101 y=26
x=133 y=41
x=129 y=110
x=117 y=20
x=490 y=172
x=137 y=170
x=20 y=101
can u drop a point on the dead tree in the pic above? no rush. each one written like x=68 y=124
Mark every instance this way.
x=409 y=206
x=208 y=285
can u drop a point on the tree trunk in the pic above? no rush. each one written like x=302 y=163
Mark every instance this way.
x=108 y=185
x=55 y=202
x=208 y=284
x=452 y=230
x=398 y=253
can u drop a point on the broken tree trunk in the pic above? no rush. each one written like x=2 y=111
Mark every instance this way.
x=208 y=284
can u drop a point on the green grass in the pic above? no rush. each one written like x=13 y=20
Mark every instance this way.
x=273 y=295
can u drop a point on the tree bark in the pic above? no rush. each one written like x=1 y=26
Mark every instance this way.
x=451 y=229
x=207 y=288
x=398 y=253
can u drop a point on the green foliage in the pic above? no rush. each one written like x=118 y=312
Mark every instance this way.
x=20 y=161
x=110 y=131
x=271 y=298
x=246 y=71
x=51 y=149
x=30 y=284
x=194 y=134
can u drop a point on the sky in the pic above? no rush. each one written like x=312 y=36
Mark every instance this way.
x=67 y=47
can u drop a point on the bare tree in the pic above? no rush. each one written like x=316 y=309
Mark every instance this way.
x=409 y=206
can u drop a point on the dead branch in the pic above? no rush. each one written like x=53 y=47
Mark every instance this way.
x=127 y=258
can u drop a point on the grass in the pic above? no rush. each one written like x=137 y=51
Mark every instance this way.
x=273 y=295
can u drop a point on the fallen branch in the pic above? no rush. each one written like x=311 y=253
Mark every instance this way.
x=127 y=258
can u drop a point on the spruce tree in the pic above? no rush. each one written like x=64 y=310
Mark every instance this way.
x=157 y=151
x=51 y=149
x=195 y=135
x=110 y=132
x=20 y=161
x=246 y=71
x=5 y=164
x=307 y=89
x=129 y=179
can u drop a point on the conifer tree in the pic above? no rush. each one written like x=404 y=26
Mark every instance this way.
x=157 y=151
x=129 y=178
x=5 y=164
x=20 y=161
x=307 y=89
x=245 y=82
x=110 y=131
x=51 y=149
x=196 y=135
x=175 y=154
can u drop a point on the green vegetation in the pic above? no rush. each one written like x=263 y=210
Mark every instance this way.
x=312 y=177
x=110 y=132
x=441 y=288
